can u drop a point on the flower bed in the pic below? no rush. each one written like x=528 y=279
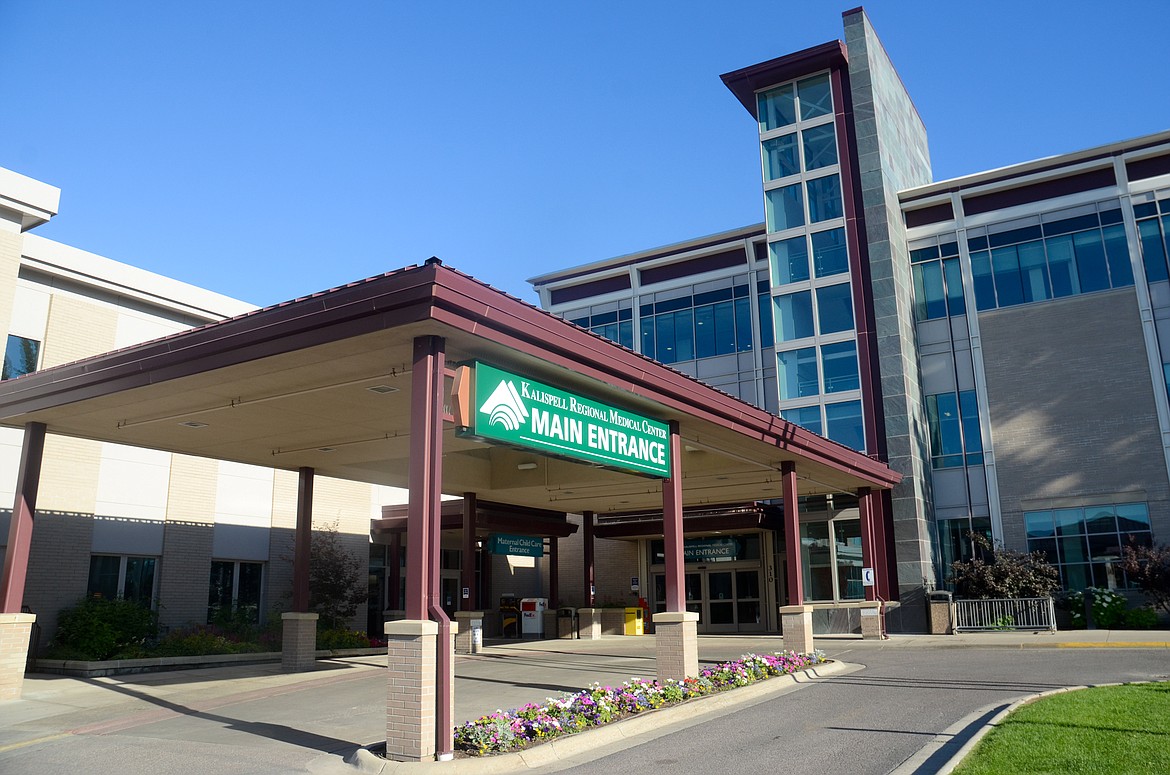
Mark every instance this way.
x=511 y=730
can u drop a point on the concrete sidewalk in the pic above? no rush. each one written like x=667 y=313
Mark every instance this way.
x=300 y=717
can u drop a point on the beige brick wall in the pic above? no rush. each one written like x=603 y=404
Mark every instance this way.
x=9 y=268
x=1061 y=438
x=334 y=501
x=58 y=566
x=615 y=562
x=187 y=539
x=77 y=329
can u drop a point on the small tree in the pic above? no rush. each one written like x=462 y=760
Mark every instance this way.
x=337 y=579
x=1149 y=568
x=996 y=572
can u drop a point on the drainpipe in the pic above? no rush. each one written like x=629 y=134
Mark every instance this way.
x=443 y=687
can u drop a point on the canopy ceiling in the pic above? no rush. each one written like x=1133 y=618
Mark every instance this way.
x=324 y=382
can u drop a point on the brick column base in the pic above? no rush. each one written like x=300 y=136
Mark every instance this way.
x=796 y=621
x=411 y=685
x=463 y=636
x=15 y=633
x=589 y=623
x=871 y=621
x=676 y=645
x=298 y=650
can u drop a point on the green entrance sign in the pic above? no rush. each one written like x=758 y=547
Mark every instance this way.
x=517 y=546
x=525 y=413
x=710 y=549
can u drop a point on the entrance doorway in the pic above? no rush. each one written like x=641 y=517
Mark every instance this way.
x=726 y=600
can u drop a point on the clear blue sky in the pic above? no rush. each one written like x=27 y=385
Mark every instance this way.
x=268 y=150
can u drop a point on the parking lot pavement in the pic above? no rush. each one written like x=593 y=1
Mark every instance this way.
x=258 y=719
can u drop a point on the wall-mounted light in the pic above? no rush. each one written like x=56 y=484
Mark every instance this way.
x=525 y=466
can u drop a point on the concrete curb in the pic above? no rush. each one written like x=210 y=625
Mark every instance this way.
x=662 y=721
x=915 y=764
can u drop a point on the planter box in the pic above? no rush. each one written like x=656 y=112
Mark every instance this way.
x=96 y=669
x=613 y=621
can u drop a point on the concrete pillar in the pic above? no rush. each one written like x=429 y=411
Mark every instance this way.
x=410 y=689
x=298 y=653
x=796 y=620
x=872 y=624
x=463 y=623
x=676 y=645
x=589 y=623
x=15 y=633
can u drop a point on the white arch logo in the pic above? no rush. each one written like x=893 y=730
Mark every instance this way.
x=504 y=407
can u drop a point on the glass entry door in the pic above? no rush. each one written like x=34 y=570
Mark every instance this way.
x=725 y=600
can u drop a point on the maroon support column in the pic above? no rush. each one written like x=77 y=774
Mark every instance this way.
x=470 y=512
x=28 y=480
x=423 y=477
x=792 y=534
x=394 y=572
x=676 y=646
x=590 y=579
x=303 y=542
x=672 y=525
x=868 y=546
x=554 y=574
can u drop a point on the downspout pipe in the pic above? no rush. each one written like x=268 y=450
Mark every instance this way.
x=444 y=745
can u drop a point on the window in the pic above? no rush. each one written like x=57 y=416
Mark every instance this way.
x=829 y=254
x=794 y=316
x=824 y=199
x=834 y=308
x=789 y=260
x=780 y=157
x=1152 y=234
x=832 y=568
x=839 y=362
x=954 y=429
x=1084 y=542
x=20 y=356
x=702 y=325
x=1062 y=258
x=776 y=108
x=122 y=578
x=954 y=538
x=797 y=373
x=784 y=208
x=844 y=424
x=816 y=98
x=820 y=147
x=234 y=590
x=806 y=416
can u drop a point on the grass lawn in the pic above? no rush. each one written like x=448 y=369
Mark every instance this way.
x=1112 y=729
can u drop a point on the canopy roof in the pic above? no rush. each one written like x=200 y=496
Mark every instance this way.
x=324 y=382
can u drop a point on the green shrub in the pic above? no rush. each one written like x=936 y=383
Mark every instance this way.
x=102 y=629
x=1140 y=619
x=201 y=640
x=998 y=572
x=342 y=639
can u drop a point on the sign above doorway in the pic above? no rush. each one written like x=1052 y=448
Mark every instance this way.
x=515 y=410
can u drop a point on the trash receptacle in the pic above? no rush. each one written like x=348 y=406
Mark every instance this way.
x=939 y=610
x=566 y=622
x=476 y=636
x=634 y=624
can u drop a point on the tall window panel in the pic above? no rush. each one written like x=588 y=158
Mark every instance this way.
x=1084 y=542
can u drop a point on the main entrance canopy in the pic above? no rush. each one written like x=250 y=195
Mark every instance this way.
x=369 y=382
x=324 y=382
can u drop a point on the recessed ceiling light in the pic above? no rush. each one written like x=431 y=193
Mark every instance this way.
x=326 y=449
x=525 y=466
x=193 y=424
x=382 y=389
